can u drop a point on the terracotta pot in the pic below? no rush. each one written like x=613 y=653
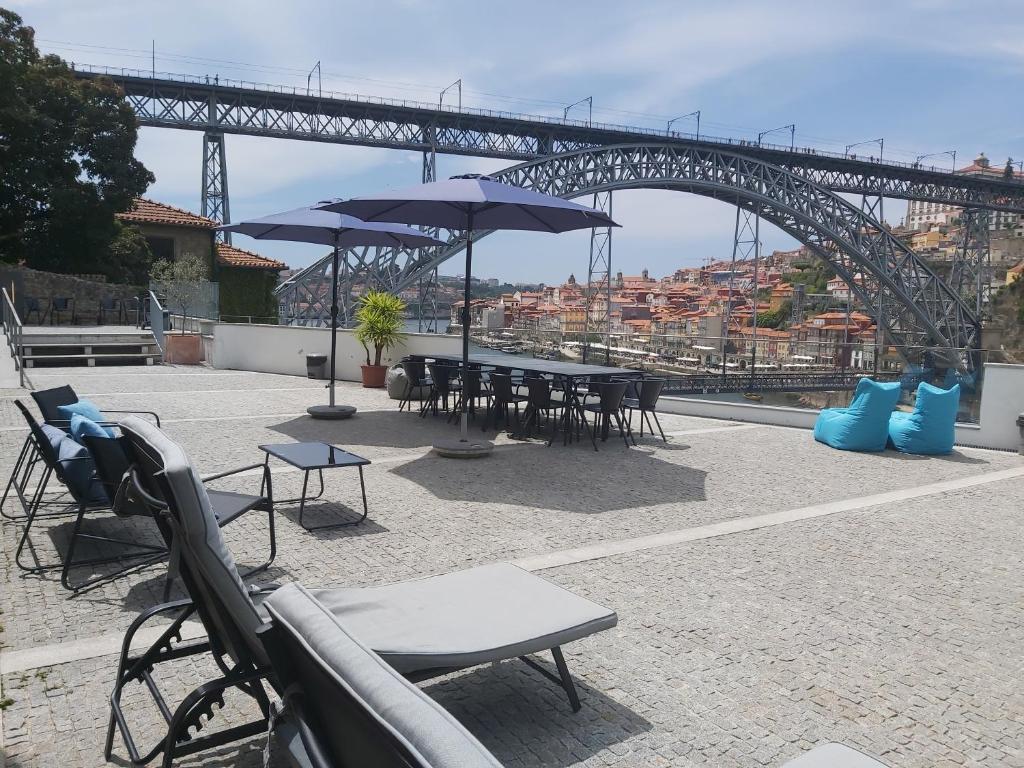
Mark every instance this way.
x=183 y=348
x=374 y=375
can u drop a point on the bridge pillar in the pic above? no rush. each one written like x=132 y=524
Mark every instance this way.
x=427 y=286
x=599 y=272
x=746 y=246
x=215 y=182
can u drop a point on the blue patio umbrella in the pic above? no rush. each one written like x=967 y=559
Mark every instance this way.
x=314 y=225
x=472 y=202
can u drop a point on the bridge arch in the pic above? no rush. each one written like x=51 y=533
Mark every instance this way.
x=921 y=310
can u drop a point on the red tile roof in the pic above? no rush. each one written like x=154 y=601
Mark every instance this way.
x=230 y=256
x=146 y=211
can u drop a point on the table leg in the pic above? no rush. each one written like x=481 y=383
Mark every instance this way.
x=302 y=498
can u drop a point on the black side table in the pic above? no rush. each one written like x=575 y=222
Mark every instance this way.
x=317 y=456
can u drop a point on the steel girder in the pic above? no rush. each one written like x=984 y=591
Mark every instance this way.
x=599 y=280
x=264 y=111
x=215 y=182
x=971 y=273
x=922 y=310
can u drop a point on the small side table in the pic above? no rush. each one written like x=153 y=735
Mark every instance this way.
x=317 y=456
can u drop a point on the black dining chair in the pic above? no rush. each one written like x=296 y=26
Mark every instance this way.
x=443 y=383
x=108 y=305
x=59 y=305
x=503 y=395
x=540 y=401
x=469 y=394
x=416 y=378
x=646 y=400
x=32 y=304
x=608 y=408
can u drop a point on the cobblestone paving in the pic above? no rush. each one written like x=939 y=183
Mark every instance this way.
x=896 y=630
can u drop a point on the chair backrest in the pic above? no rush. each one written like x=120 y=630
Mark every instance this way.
x=611 y=393
x=650 y=391
x=471 y=384
x=48 y=401
x=352 y=708
x=32 y=304
x=875 y=399
x=46 y=442
x=501 y=387
x=594 y=385
x=441 y=375
x=111 y=457
x=937 y=403
x=108 y=303
x=206 y=565
x=415 y=371
x=69 y=460
x=539 y=392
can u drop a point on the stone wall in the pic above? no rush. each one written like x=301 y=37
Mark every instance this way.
x=44 y=286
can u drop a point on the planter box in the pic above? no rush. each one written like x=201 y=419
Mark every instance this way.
x=183 y=348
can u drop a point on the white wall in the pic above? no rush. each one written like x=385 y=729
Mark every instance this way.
x=1002 y=400
x=283 y=348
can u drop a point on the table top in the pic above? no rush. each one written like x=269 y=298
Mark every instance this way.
x=553 y=367
x=314 y=455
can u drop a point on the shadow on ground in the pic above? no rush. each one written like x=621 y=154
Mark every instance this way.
x=573 y=479
x=388 y=429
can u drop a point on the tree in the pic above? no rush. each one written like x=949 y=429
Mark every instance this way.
x=182 y=281
x=66 y=158
x=130 y=258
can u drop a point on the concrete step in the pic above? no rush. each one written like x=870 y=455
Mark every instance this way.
x=112 y=358
x=77 y=339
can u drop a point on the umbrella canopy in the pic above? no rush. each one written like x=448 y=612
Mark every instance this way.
x=313 y=225
x=473 y=202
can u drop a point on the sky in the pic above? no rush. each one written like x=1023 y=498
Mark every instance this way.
x=927 y=75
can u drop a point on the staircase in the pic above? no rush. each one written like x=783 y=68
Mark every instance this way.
x=101 y=345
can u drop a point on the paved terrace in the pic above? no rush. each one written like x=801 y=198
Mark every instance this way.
x=773 y=594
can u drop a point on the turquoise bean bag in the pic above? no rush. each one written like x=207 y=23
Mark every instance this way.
x=931 y=428
x=864 y=426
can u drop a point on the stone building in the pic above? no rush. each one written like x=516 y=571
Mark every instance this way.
x=246 y=279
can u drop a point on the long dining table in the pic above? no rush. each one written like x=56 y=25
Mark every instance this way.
x=566 y=373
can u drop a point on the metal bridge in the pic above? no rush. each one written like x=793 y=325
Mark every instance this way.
x=795 y=188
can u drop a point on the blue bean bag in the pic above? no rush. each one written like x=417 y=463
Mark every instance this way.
x=931 y=427
x=864 y=426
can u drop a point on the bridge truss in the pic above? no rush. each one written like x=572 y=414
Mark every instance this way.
x=922 y=310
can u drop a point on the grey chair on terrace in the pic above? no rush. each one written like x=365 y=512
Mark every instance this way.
x=344 y=706
x=422 y=628
x=415 y=378
x=608 y=409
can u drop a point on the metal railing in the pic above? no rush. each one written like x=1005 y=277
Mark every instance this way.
x=153 y=310
x=13 y=330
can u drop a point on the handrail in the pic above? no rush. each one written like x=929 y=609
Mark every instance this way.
x=156 y=309
x=14 y=330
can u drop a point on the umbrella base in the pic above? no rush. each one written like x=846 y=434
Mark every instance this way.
x=454 y=448
x=332 y=412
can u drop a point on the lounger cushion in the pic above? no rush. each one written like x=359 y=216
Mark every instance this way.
x=465 y=618
x=834 y=756
x=54 y=436
x=79 y=471
x=83 y=408
x=424 y=728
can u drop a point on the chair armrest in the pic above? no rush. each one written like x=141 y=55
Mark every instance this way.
x=147 y=413
x=268 y=482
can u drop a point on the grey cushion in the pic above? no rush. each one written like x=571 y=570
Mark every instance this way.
x=421 y=725
x=834 y=756
x=465 y=618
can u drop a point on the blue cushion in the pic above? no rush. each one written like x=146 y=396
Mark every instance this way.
x=864 y=426
x=931 y=428
x=79 y=471
x=82 y=425
x=54 y=435
x=84 y=408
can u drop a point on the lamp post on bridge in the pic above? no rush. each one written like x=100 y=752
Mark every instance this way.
x=950 y=152
x=456 y=84
x=590 y=114
x=879 y=142
x=668 y=128
x=792 y=134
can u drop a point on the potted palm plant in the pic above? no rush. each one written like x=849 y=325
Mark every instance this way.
x=378 y=325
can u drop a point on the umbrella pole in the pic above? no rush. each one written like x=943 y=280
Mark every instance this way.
x=465 y=321
x=334 y=316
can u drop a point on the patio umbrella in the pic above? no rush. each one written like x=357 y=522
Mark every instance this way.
x=472 y=202
x=314 y=225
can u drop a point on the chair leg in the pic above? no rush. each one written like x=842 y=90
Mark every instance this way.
x=655 y=415
x=622 y=428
